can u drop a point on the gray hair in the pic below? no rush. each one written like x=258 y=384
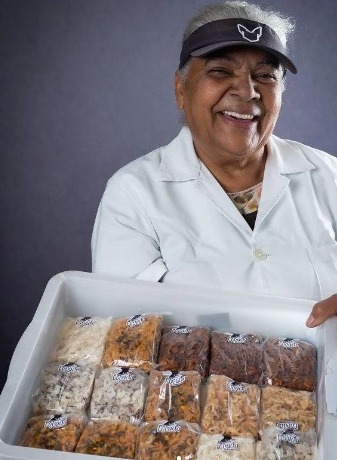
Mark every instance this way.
x=281 y=24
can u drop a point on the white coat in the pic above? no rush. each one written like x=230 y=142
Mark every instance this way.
x=165 y=217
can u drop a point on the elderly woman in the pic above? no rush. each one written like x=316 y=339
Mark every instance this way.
x=227 y=203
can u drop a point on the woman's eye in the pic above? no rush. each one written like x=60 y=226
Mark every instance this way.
x=266 y=76
x=219 y=72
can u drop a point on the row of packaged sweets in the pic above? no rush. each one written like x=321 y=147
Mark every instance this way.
x=144 y=341
x=164 y=440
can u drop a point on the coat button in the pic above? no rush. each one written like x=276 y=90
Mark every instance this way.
x=259 y=254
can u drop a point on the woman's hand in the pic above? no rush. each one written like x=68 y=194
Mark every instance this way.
x=322 y=310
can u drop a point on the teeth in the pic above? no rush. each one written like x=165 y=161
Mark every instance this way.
x=242 y=116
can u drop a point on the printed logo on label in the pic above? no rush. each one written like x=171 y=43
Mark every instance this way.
x=250 y=35
x=289 y=436
x=168 y=428
x=288 y=343
x=236 y=387
x=174 y=378
x=56 y=422
x=124 y=375
x=136 y=320
x=287 y=425
x=85 y=321
x=69 y=367
x=227 y=443
x=181 y=329
x=237 y=338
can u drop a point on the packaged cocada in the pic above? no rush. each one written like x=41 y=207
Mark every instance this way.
x=239 y=356
x=184 y=348
x=64 y=387
x=220 y=447
x=283 y=442
x=54 y=432
x=81 y=338
x=108 y=438
x=133 y=342
x=230 y=407
x=289 y=363
x=119 y=394
x=284 y=405
x=167 y=440
x=173 y=395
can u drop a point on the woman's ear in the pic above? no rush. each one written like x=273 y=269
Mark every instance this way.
x=179 y=90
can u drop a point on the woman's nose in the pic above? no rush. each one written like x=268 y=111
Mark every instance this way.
x=245 y=87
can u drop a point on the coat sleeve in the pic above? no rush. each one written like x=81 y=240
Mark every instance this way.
x=124 y=242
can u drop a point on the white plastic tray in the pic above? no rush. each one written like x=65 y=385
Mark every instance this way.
x=85 y=294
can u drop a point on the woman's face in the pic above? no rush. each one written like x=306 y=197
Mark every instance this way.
x=231 y=102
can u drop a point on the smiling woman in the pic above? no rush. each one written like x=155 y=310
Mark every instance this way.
x=227 y=203
x=231 y=103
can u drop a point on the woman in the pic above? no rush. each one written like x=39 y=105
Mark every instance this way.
x=227 y=203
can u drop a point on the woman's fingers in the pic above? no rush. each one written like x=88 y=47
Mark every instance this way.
x=322 y=310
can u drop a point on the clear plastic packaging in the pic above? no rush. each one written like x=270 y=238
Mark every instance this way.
x=167 y=441
x=81 y=338
x=290 y=363
x=184 y=348
x=108 y=438
x=231 y=408
x=133 y=342
x=119 y=394
x=239 y=356
x=284 y=405
x=173 y=396
x=54 y=432
x=219 y=447
x=286 y=444
x=64 y=388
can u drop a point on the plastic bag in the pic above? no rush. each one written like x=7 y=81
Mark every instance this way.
x=219 y=447
x=290 y=363
x=81 y=338
x=284 y=405
x=64 y=388
x=133 y=342
x=167 y=441
x=54 y=432
x=119 y=394
x=287 y=444
x=108 y=438
x=231 y=408
x=173 y=396
x=184 y=348
x=239 y=356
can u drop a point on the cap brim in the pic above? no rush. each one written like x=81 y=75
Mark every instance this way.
x=205 y=50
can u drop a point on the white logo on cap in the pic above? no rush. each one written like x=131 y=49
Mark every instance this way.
x=250 y=35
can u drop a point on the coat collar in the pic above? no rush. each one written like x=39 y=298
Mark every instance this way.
x=180 y=163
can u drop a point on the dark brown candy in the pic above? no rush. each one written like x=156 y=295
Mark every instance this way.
x=184 y=348
x=239 y=356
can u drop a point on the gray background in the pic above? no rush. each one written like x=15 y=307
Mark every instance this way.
x=86 y=86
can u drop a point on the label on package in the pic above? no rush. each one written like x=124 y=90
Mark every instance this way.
x=289 y=436
x=288 y=343
x=85 y=321
x=236 y=387
x=124 y=375
x=69 y=367
x=56 y=422
x=135 y=321
x=287 y=425
x=227 y=443
x=181 y=329
x=237 y=338
x=168 y=427
x=174 y=378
